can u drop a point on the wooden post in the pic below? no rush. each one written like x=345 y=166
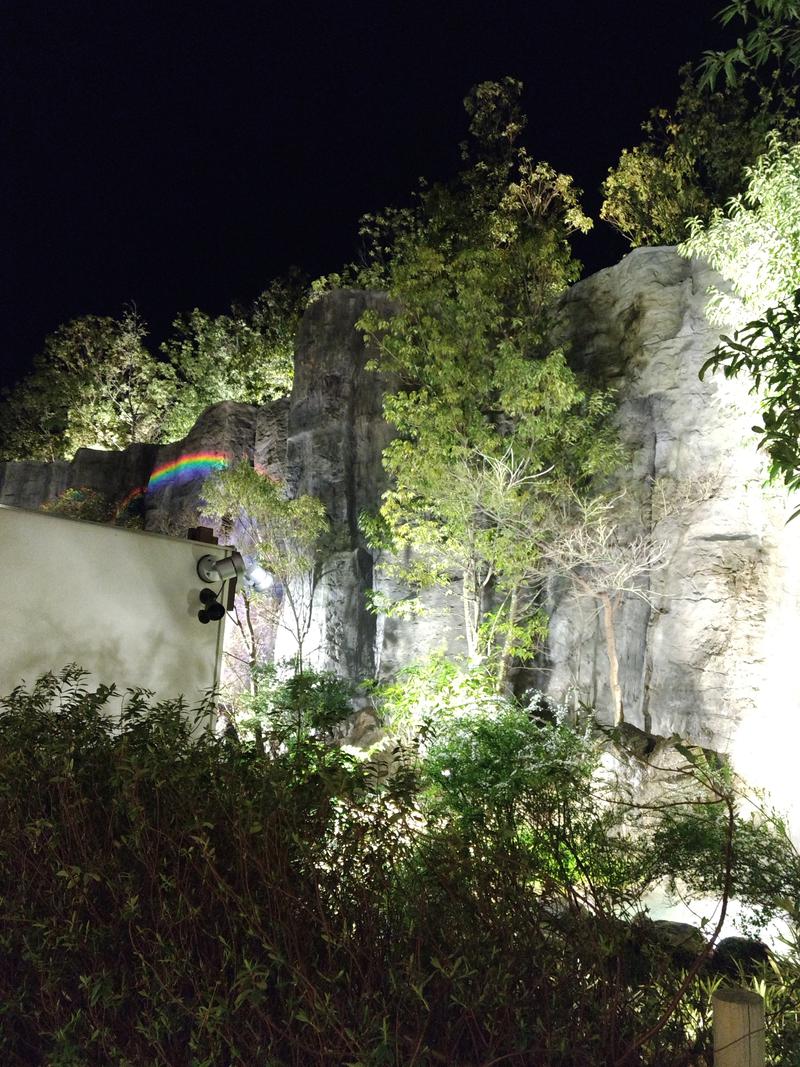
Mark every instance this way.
x=738 y=1028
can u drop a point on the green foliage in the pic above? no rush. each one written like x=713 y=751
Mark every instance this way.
x=491 y=421
x=282 y=532
x=692 y=157
x=172 y=897
x=247 y=356
x=768 y=53
x=82 y=503
x=284 y=535
x=90 y=505
x=755 y=245
x=292 y=707
x=95 y=385
x=431 y=692
x=754 y=242
x=768 y=349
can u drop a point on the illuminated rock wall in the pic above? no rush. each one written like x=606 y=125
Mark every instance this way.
x=31 y=484
x=169 y=500
x=711 y=657
x=336 y=436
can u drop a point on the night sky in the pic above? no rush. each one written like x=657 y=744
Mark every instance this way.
x=180 y=155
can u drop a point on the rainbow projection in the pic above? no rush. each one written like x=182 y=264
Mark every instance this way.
x=130 y=503
x=185 y=468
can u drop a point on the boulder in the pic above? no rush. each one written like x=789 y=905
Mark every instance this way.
x=737 y=957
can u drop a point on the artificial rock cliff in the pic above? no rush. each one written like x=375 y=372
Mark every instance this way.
x=706 y=652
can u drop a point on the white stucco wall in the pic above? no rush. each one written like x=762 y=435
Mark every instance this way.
x=120 y=603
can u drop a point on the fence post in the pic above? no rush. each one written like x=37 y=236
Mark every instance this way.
x=738 y=1028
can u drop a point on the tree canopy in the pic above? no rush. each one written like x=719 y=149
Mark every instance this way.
x=692 y=157
x=247 y=355
x=492 y=424
x=96 y=384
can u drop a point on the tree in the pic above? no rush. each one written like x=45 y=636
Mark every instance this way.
x=283 y=536
x=33 y=419
x=94 y=385
x=770 y=51
x=598 y=561
x=245 y=356
x=121 y=393
x=692 y=157
x=491 y=421
x=755 y=245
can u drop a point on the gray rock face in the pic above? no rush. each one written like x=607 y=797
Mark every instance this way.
x=336 y=434
x=29 y=485
x=227 y=429
x=336 y=429
x=710 y=657
x=171 y=503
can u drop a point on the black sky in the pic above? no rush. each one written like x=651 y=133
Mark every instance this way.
x=180 y=155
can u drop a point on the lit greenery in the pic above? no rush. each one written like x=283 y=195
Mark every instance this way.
x=169 y=896
x=286 y=708
x=492 y=424
x=692 y=158
x=282 y=534
x=95 y=384
x=246 y=356
x=754 y=242
x=755 y=245
x=90 y=505
x=768 y=51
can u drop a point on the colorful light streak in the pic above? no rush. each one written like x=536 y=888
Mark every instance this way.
x=186 y=467
x=128 y=499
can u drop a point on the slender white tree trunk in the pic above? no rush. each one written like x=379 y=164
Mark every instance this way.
x=609 y=610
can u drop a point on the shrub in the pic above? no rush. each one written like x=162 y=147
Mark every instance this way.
x=170 y=897
x=91 y=505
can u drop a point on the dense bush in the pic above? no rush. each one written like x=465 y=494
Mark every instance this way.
x=171 y=897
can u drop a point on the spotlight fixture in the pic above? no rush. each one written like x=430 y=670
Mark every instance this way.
x=212 y=611
x=255 y=577
x=210 y=569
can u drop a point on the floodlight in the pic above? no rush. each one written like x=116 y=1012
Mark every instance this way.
x=259 y=580
x=210 y=569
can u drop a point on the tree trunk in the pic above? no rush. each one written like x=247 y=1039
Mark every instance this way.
x=609 y=607
x=253 y=650
x=469 y=599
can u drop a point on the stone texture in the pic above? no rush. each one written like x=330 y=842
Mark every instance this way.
x=228 y=428
x=402 y=640
x=30 y=484
x=712 y=659
x=336 y=434
x=336 y=429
